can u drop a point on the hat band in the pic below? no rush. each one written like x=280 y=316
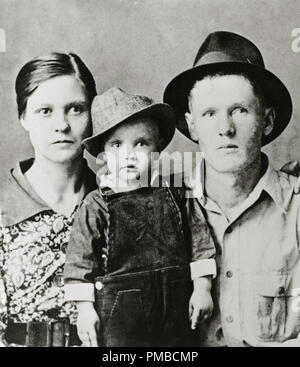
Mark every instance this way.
x=218 y=56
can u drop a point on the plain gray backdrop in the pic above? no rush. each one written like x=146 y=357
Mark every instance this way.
x=139 y=45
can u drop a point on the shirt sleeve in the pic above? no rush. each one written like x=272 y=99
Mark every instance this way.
x=84 y=253
x=203 y=249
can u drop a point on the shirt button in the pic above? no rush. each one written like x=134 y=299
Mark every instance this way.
x=98 y=285
x=281 y=290
x=229 y=274
x=229 y=319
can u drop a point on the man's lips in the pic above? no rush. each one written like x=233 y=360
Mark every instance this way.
x=228 y=146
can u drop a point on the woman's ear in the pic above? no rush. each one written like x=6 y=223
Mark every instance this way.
x=24 y=123
x=269 y=119
x=191 y=125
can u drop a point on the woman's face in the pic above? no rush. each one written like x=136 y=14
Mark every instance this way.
x=57 y=118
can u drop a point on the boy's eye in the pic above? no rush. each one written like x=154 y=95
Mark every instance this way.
x=141 y=143
x=44 y=111
x=116 y=144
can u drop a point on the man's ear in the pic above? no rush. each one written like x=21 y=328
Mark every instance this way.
x=191 y=125
x=269 y=119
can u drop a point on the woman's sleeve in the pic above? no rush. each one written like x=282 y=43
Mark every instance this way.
x=83 y=257
x=203 y=250
x=3 y=296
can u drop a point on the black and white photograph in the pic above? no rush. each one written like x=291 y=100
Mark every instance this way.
x=149 y=176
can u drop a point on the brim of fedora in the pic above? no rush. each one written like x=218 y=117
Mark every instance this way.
x=277 y=95
x=162 y=112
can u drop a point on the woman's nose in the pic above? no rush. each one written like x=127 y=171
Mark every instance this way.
x=61 y=122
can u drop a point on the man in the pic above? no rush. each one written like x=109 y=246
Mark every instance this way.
x=233 y=106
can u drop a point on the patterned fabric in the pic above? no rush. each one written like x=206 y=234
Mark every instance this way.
x=33 y=241
x=32 y=256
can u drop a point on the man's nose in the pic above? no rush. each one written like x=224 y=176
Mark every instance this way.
x=61 y=122
x=226 y=125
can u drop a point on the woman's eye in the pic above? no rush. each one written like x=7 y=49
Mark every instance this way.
x=45 y=111
x=116 y=144
x=76 y=110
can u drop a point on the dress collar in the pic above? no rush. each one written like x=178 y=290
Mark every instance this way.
x=19 y=201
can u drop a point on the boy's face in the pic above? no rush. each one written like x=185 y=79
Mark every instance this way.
x=228 y=121
x=128 y=149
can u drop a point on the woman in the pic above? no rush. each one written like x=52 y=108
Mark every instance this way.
x=39 y=199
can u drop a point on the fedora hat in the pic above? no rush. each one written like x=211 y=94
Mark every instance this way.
x=230 y=52
x=115 y=106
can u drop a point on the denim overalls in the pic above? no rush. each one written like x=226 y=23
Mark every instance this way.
x=142 y=299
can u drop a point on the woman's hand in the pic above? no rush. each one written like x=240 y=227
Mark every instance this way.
x=3 y=342
x=88 y=324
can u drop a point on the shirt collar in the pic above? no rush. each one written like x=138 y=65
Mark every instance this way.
x=269 y=182
x=19 y=201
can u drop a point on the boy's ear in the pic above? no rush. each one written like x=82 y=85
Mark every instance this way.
x=191 y=125
x=269 y=119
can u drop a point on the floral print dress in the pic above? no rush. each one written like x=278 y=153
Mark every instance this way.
x=32 y=258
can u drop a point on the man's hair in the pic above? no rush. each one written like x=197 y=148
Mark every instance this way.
x=256 y=86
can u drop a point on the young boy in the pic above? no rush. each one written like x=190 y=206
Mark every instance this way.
x=134 y=248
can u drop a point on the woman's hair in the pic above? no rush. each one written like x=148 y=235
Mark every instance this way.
x=45 y=67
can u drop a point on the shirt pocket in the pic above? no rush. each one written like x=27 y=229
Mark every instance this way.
x=274 y=300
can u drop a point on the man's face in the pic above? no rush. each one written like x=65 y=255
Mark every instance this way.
x=228 y=122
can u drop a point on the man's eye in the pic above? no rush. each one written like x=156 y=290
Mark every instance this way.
x=75 y=110
x=45 y=111
x=208 y=114
x=116 y=144
x=240 y=111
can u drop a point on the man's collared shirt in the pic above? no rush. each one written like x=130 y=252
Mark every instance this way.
x=258 y=262
x=33 y=240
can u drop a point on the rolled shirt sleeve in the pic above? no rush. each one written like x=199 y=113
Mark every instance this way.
x=203 y=250
x=84 y=252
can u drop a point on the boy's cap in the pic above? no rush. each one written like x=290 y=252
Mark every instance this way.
x=115 y=106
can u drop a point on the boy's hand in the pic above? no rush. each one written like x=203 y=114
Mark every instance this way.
x=200 y=307
x=88 y=324
x=293 y=168
x=201 y=304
